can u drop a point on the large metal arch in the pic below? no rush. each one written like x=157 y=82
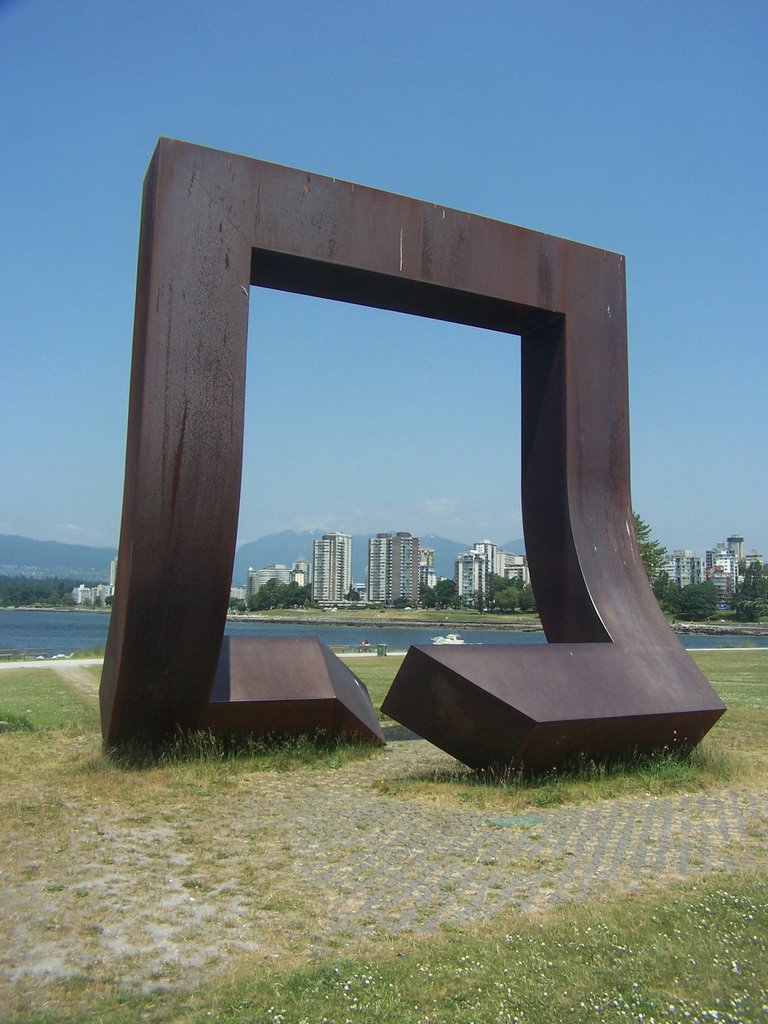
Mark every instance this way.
x=214 y=223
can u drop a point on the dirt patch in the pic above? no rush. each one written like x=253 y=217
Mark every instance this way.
x=81 y=680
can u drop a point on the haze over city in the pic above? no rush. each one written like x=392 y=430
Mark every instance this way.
x=634 y=128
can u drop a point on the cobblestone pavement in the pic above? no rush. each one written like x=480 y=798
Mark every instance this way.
x=411 y=864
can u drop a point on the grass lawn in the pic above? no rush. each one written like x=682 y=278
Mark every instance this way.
x=41 y=698
x=377 y=674
x=695 y=955
x=740 y=675
x=76 y=826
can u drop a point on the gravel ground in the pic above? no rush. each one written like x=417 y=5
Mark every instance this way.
x=307 y=862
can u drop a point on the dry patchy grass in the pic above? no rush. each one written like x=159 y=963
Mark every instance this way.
x=183 y=874
x=734 y=753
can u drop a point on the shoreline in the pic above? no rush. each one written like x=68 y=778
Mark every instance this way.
x=531 y=626
x=373 y=622
x=403 y=622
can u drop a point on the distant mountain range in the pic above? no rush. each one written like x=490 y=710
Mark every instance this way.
x=22 y=556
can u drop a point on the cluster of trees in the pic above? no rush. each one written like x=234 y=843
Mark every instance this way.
x=506 y=596
x=696 y=602
x=442 y=595
x=502 y=595
x=699 y=601
x=22 y=592
x=750 y=599
x=274 y=594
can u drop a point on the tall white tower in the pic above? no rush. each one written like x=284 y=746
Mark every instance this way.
x=332 y=568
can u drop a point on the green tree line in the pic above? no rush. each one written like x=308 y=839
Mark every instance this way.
x=274 y=594
x=501 y=595
x=23 y=592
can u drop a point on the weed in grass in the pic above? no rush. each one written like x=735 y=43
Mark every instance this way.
x=90 y=652
x=196 y=885
x=668 y=766
x=550 y=792
x=12 y=722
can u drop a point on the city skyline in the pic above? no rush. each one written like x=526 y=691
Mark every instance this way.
x=633 y=141
x=398 y=565
x=384 y=564
x=748 y=548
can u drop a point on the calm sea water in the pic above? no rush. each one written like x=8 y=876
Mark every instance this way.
x=67 y=632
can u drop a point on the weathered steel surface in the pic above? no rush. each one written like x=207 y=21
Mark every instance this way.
x=212 y=225
x=292 y=685
x=527 y=705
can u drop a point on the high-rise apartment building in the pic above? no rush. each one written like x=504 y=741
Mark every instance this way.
x=512 y=567
x=405 y=568
x=427 y=571
x=490 y=553
x=379 y=571
x=722 y=568
x=331 y=568
x=471 y=575
x=684 y=567
x=393 y=568
x=258 y=577
x=301 y=572
x=735 y=544
x=474 y=568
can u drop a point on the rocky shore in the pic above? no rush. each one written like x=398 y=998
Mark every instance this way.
x=722 y=628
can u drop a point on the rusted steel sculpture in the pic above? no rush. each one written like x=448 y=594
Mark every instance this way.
x=287 y=685
x=613 y=677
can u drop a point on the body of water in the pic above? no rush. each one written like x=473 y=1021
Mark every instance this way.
x=67 y=632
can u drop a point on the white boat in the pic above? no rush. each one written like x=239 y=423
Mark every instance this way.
x=449 y=638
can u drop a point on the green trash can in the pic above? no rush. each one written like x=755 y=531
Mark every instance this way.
x=381 y=650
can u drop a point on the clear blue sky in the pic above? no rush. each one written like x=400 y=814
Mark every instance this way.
x=639 y=127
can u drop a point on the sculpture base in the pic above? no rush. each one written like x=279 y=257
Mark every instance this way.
x=544 y=706
x=287 y=685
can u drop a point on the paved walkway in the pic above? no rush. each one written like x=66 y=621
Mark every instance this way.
x=416 y=864
x=49 y=663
